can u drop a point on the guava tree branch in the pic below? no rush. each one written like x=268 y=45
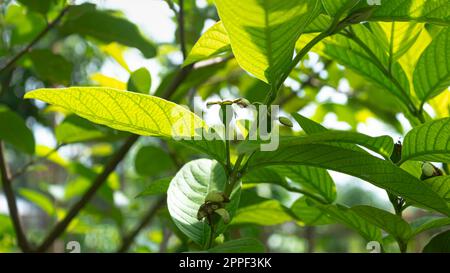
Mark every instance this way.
x=40 y=35
x=182 y=33
x=12 y=203
x=128 y=240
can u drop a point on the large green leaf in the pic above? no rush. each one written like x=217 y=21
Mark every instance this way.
x=14 y=131
x=212 y=43
x=187 y=192
x=263 y=43
x=215 y=149
x=439 y=243
x=309 y=126
x=352 y=220
x=382 y=145
x=392 y=224
x=126 y=111
x=361 y=52
x=244 y=245
x=106 y=27
x=441 y=185
x=428 y=142
x=338 y=7
x=429 y=11
x=379 y=172
x=309 y=215
x=311 y=179
x=265 y=213
x=432 y=73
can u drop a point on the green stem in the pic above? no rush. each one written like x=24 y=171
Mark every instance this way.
x=226 y=123
x=234 y=178
x=300 y=55
x=403 y=246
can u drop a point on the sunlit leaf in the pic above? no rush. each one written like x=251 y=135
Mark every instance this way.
x=428 y=142
x=264 y=45
x=126 y=111
x=432 y=74
x=106 y=27
x=212 y=43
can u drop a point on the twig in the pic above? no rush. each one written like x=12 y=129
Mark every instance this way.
x=179 y=78
x=12 y=204
x=129 y=239
x=52 y=24
x=181 y=28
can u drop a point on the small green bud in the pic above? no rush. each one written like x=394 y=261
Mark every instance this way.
x=286 y=122
x=224 y=214
x=427 y=169
x=215 y=196
x=244 y=103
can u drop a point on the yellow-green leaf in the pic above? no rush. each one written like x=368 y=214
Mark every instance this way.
x=127 y=111
x=428 y=142
x=212 y=43
x=432 y=74
x=263 y=33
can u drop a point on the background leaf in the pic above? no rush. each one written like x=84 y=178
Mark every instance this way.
x=266 y=213
x=14 y=131
x=311 y=179
x=389 y=222
x=151 y=160
x=87 y=21
x=140 y=81
x=369 y=168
